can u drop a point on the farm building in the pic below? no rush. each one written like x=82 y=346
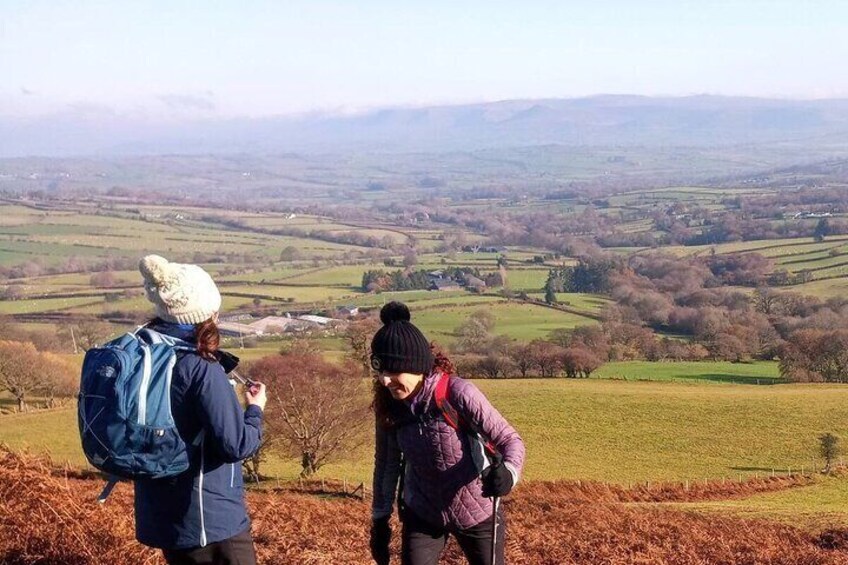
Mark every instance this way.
x=237 y=329
x=349 y=311
x=444 y=284
x=319 y=320
x=475 y=283
x=272 y=325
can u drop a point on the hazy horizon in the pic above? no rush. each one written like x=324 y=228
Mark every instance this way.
x=158 y=61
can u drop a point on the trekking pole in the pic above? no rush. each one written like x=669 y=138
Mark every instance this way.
x=495 y=504
x=497 y=459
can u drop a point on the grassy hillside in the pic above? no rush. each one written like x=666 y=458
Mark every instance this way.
x=601 y=429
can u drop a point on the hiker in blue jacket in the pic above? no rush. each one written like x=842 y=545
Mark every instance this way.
x=200 y=515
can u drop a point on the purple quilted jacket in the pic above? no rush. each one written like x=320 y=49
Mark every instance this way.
x=442 y=465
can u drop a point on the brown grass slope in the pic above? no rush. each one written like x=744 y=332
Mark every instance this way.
x=49 y=517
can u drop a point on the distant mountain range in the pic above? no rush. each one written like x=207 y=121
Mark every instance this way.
x=699 y=121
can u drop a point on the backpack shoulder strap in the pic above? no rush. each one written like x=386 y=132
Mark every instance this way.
x=150 y=336
x=452 y=415
x=447 y=409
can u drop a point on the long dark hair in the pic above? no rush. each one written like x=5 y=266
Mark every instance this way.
x=207 y=335
x=381 y=404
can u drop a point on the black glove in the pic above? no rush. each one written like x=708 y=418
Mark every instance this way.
x=497 y=480
x=381 y=535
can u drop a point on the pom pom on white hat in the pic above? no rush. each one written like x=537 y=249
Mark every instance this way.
x=182 y=294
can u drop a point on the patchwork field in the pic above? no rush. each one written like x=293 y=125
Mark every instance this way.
x=631 y=423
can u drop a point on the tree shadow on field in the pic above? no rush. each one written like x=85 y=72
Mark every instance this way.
x=759 y=469
x=730 y=378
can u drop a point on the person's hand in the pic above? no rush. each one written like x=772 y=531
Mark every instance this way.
x=381 y=536
x=255 y=395
x=497 y=480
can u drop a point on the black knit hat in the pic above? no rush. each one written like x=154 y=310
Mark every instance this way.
x=400 y=347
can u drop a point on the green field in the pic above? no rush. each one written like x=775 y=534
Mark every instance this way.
x=519 y=321
x=816 y=507
x=592 y=303
x=824 y=289
x=53 y=236
x=760 y=372
x=45 y=305
x=601 y=429
x=768 y=247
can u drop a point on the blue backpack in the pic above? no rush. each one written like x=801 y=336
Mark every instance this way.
x=125 y=420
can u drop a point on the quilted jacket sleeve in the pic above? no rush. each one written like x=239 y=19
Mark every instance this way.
x=387 y=469
x=485 y=419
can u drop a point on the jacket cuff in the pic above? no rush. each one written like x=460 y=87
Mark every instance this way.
x=253 y=410
x=512 y=471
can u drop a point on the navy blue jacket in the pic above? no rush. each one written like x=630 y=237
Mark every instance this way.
x=206 y=503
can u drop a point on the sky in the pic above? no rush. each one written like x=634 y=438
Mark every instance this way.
x=224 y=59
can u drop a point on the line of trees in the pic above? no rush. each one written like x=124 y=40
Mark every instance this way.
x=689 y=298
x=479 y=353
x=379 y=280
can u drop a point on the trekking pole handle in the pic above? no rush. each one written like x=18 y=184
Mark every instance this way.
x=243 y=380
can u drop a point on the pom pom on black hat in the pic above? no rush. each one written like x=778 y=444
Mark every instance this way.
x=394 y=312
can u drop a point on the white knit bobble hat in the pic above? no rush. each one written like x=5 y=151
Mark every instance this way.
x=182 y=294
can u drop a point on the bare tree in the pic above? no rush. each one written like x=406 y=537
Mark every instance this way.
x=315 y=411
x=89 y=334
x=522 y=358
x=579 y=362
x=494 y=365
x=20 y=371
x=765 y=299
x=547 y=357
x=358 y=337
x=106 y=279
x=474 y=335
x=59 y=378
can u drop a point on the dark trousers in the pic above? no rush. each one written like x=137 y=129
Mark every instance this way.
x=423 y=543
x=238 y=550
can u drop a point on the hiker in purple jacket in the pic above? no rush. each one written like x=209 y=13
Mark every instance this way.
x=438 y=454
